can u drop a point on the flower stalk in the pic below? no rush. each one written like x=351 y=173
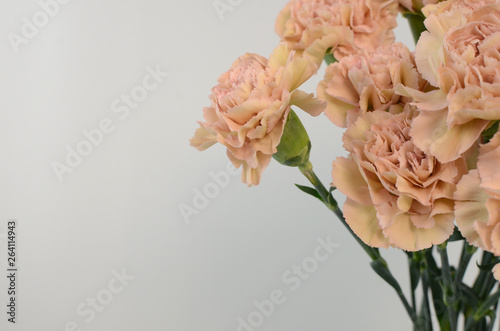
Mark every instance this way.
x=378 y=264
x=449 y=287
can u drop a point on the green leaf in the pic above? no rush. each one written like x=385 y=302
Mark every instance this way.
x=381 y=269
x=489 y=266
x=310 y=191
x=332 y=202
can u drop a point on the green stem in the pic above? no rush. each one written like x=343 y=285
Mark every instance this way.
x=414 y=272
x=449 y=288
x=482 y=287
x=307 y=170
x=487 y=286
x=434 y=274
x=484 y=307
x=425 y=312
x=378 y=264
x=413 y=300
x=469 y=324
x=472 y=325
x=493 y=317
x=484 y=278
x=465 y=257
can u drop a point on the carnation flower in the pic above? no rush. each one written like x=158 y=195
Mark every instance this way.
x=366 y=81
x=314 y=26
x=250 y=106
x=478 y=200
x=460 y=56
x=396 y=194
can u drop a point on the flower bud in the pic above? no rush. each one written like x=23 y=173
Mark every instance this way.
x=295 y=146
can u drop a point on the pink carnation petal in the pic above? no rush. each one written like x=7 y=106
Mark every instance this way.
x=348 y=179
x=432 y=134
x=363 y=221
x=405 y=235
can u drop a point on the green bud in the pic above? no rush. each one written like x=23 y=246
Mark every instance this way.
x=295 y=146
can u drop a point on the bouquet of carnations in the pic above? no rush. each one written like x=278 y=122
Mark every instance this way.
x=421 y=132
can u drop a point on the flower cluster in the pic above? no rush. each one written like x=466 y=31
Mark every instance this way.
x=344 y=26
x=420 y=127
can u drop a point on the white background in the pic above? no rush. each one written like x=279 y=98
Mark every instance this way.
x=119 y=209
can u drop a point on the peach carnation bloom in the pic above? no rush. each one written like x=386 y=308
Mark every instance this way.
x=250 y=105
x=313 y=26
x=366 y=81
x=460 y=55
x=396 y=194
x=478 y=200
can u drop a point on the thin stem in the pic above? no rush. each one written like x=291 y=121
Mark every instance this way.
x=469 y=323
x=426 y=309
x=378 y=263
x=483 y=308
x=413 y=300
x=412 y=287
x=483 y=274
x=467 y=253
x=493 y=318
x=433 y=274
x=414 y=264
x=307 y=171
x=407 y=306
x=487 y=286
x=448 y=286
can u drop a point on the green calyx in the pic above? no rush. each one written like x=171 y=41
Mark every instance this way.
x=295 y=146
